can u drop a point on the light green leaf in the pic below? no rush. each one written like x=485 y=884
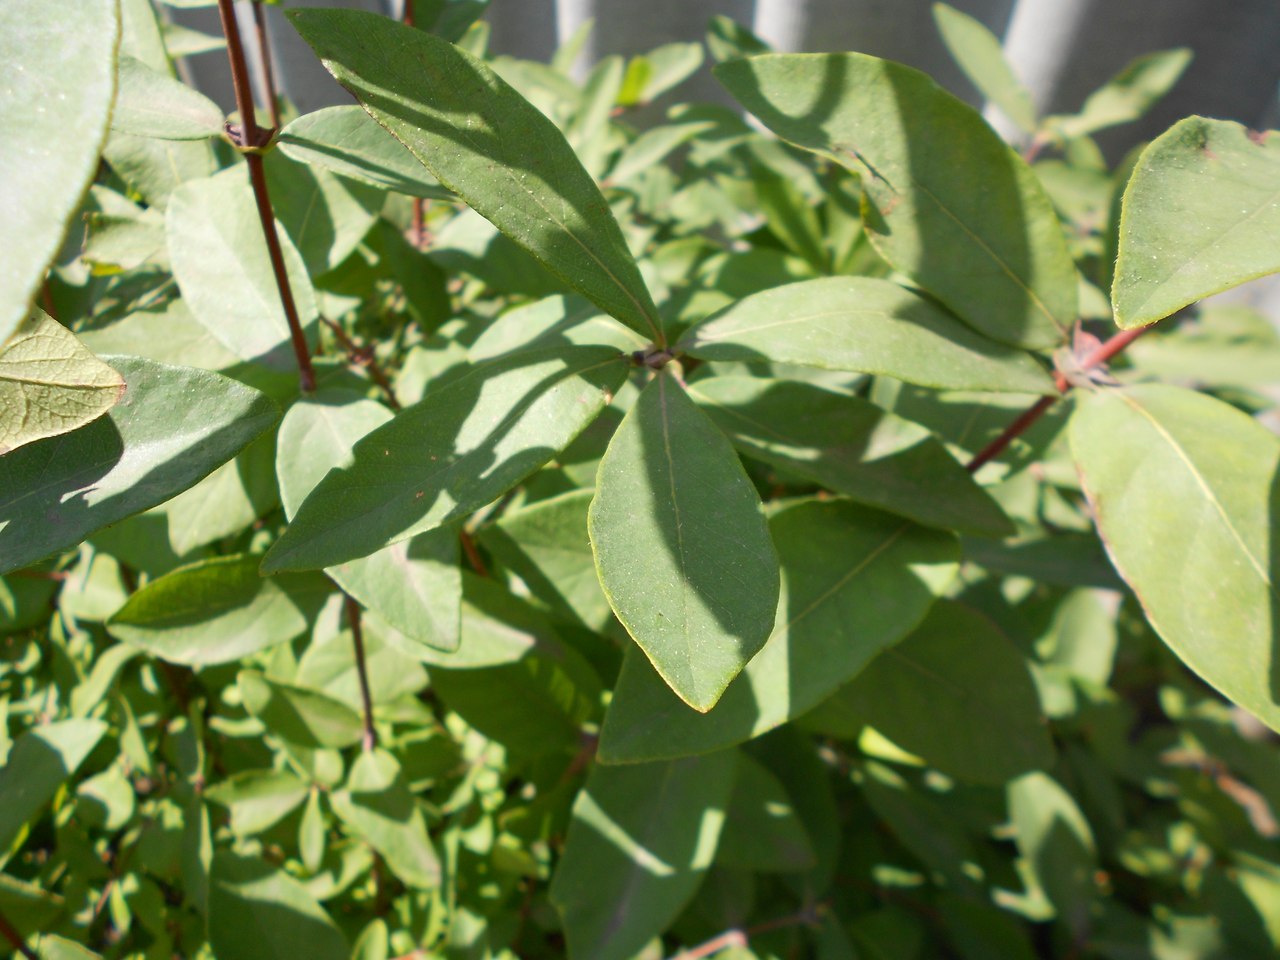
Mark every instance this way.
x=946 y=201
x=488 y=145
x=865 y=325
x=222 y=266
x=462 y=446
x=414 y=585
x=347 y=141
x=1127 y=95
x=1201 y=214
x=49 y=383
x=306 y=718
x=762 y=829
x=1184 y=491
x=547 y=546
x=979 y=54
x=651 y=75
x=326 y=216
x=851 y=447
x=854 y=582
x=959 y=694
x=152 y=104
x=378 y=806
x=55 y=103
x=216 y=611
x=155 y=168
x=258 y=912
x=651 y=148
x=330 y=665
x=41 y=760
x=53 y=947
x=681 y=544
x=640 y=840
x=1054 y=839
x=258 y=799
x=173 y=427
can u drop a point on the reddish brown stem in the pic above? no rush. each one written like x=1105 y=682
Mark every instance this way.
x=362 y=672
x=15 y=938
x=473 y=554
x=741 y=938
x=1094 y=358
x=363 y=357
x=251 y=139
x=268 y=73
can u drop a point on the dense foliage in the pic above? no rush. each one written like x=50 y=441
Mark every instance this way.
x=551 y=535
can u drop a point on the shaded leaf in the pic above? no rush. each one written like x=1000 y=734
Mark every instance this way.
x=41 y=760
x=640 y=840
x=152 y=104
x=217 y=611
x=681 y=545
x=762 y=830
x=49 y=383
x=462 y=446
x=959 y=694
x=303 y=717
x=490 y=146
x=1200 y=215
x=55 y=103
x=865 y=325
x=172 y=428
x=1184 y=491
x=1054 y=838
x=851 y=447
x=258 y=912
x=946 y=201
x=854 y=581
x=258 y=799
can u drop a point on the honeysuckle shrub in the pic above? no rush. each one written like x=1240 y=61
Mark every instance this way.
x=462 y=523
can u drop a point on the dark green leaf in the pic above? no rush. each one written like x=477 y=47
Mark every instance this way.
x=41 y=760
x=946 y=201
x=762 y=830
x=174 y=426
x=640 y=841
x=854 y=581
x=257 y=912
x=865 y=325
x=490 y=146
x=681 y=545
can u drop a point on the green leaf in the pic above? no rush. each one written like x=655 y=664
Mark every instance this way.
x=851 y=447
x=326 y=216
x=222 y=266
x=762 y=830
x=959 y=694
x=49 y=383
x=1054 y=839
x=651 y=75
x=462 y=446
x=216 y=611
x=347 y=141
x=1199 y=216
x=155 y=168
x=946 y=201
x=865 y=325
x=854 y=581
x=979 y=54
x=53 y=947
x=173 y=427
x=299 y=716
x=330 y=665
x=490 y=146
x=258 y=799
x=414 y=585
x=152 y=104
x=378 y=806
x=681 y=545
x=1184 y=491
x=55 y=104
x=547 y=546
x=257 y=912
x=1127 y=95
x=640 y=840
x=41 y=760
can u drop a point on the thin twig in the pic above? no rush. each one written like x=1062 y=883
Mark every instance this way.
x=473 y=554
x=264 y=54
x=363 y=357
x=1094 y=358
x=15 y=938
x=250 y=139
x=807 y=917
x=362 y=672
